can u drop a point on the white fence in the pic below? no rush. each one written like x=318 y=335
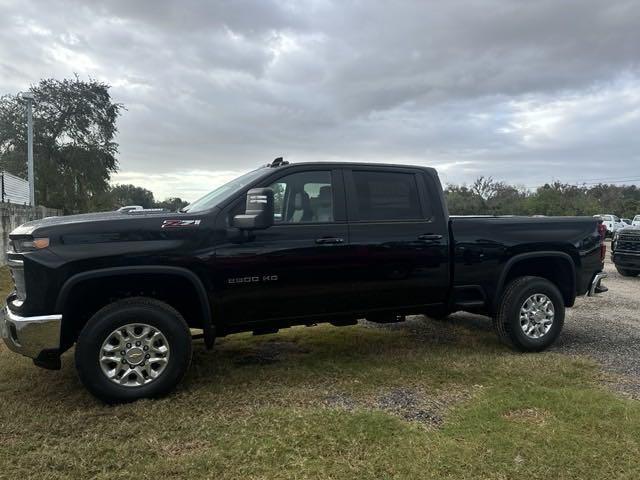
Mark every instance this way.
x=12 y=216
x=14 y=189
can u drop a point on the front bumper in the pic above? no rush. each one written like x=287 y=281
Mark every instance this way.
x=32 y=337
x=629 y=261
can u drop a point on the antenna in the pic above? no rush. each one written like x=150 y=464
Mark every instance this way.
x=278 y=162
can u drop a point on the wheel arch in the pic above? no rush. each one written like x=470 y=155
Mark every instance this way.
x=557 y=267
x=188 y=276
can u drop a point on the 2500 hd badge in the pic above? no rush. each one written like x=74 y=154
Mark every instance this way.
x=253 y=279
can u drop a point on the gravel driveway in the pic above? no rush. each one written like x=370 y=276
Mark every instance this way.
x=607 y=329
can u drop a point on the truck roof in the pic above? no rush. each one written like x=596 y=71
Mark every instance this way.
x=279 y=163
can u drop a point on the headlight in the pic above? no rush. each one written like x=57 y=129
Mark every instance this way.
x=29 y=245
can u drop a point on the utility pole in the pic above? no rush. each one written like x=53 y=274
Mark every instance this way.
x=28 y=97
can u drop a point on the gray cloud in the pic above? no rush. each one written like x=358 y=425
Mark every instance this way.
x=522 y=91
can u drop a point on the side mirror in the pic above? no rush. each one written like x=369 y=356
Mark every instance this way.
x=258 y=213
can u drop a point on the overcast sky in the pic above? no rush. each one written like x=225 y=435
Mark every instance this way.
x=524 y=91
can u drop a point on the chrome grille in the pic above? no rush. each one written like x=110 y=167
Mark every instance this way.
x=628 y=242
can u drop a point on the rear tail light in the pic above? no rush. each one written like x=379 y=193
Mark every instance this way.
x=602 y=230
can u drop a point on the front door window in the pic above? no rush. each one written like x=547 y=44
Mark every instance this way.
x=305 y=197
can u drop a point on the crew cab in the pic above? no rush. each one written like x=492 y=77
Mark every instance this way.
x=283 y=245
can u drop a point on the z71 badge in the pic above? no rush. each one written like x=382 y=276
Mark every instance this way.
x=180 y=223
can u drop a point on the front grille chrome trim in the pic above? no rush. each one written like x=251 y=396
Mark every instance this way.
x=15 y=263
x=626 y=252
x=16 y=268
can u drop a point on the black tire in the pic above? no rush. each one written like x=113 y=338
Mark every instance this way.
x=507 y=320
x=154 y=313
x=627 y=273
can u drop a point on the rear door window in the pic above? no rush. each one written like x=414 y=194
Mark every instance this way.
x=386 y=196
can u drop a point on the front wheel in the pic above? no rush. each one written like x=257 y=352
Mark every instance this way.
x=131 y=349
x=531 y=314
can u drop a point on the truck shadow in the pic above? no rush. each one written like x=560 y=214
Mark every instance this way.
x=331 y=348
x=317 y=356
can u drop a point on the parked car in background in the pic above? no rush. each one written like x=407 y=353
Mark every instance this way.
x=612 y=223
x=625 y=251
x=636 y=221
x=283 y=245
x=626 y=221
x=130 y=208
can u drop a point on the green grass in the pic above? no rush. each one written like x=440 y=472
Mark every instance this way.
x=319 y=411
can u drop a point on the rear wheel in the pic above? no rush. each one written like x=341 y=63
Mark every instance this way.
x=627 y=273
x=134 y=348
x=531 y=314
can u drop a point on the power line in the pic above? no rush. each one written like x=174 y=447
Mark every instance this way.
x=636 y=179
x=601 y=179
x=590 y=183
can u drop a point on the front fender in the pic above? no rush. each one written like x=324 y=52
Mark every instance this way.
x=207 y=323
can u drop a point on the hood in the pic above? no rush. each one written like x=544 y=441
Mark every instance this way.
x=101 y=220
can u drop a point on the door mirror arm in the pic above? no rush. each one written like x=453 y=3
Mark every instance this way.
x=238 y=235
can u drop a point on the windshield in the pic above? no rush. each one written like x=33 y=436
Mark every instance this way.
x=223 y=192
x=636 y=218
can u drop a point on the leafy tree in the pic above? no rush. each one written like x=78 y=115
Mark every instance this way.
x=122 y=195
x=507 y=200
x=13 y=136
x=461 y=200
x=74 y=148
x=488 y=197
x=173 y=204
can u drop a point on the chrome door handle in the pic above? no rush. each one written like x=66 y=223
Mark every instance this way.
x=430 y=236
x=329 y=240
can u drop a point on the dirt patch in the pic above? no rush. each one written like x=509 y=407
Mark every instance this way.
x=8 y=439
x=409 y=404
x=269 y=352
x=625 y=385
x=413 y=406
x=531 y=416
x=341 y=401
x=177 y=449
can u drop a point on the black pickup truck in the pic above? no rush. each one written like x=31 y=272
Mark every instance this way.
x=286 y=244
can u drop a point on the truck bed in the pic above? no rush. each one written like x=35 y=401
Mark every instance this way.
x=483 y=246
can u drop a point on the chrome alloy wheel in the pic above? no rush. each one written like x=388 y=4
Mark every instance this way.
x=536 y=315
x=134 y=355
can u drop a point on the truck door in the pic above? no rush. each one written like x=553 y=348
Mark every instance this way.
x=293 y=268
x=399 y=238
